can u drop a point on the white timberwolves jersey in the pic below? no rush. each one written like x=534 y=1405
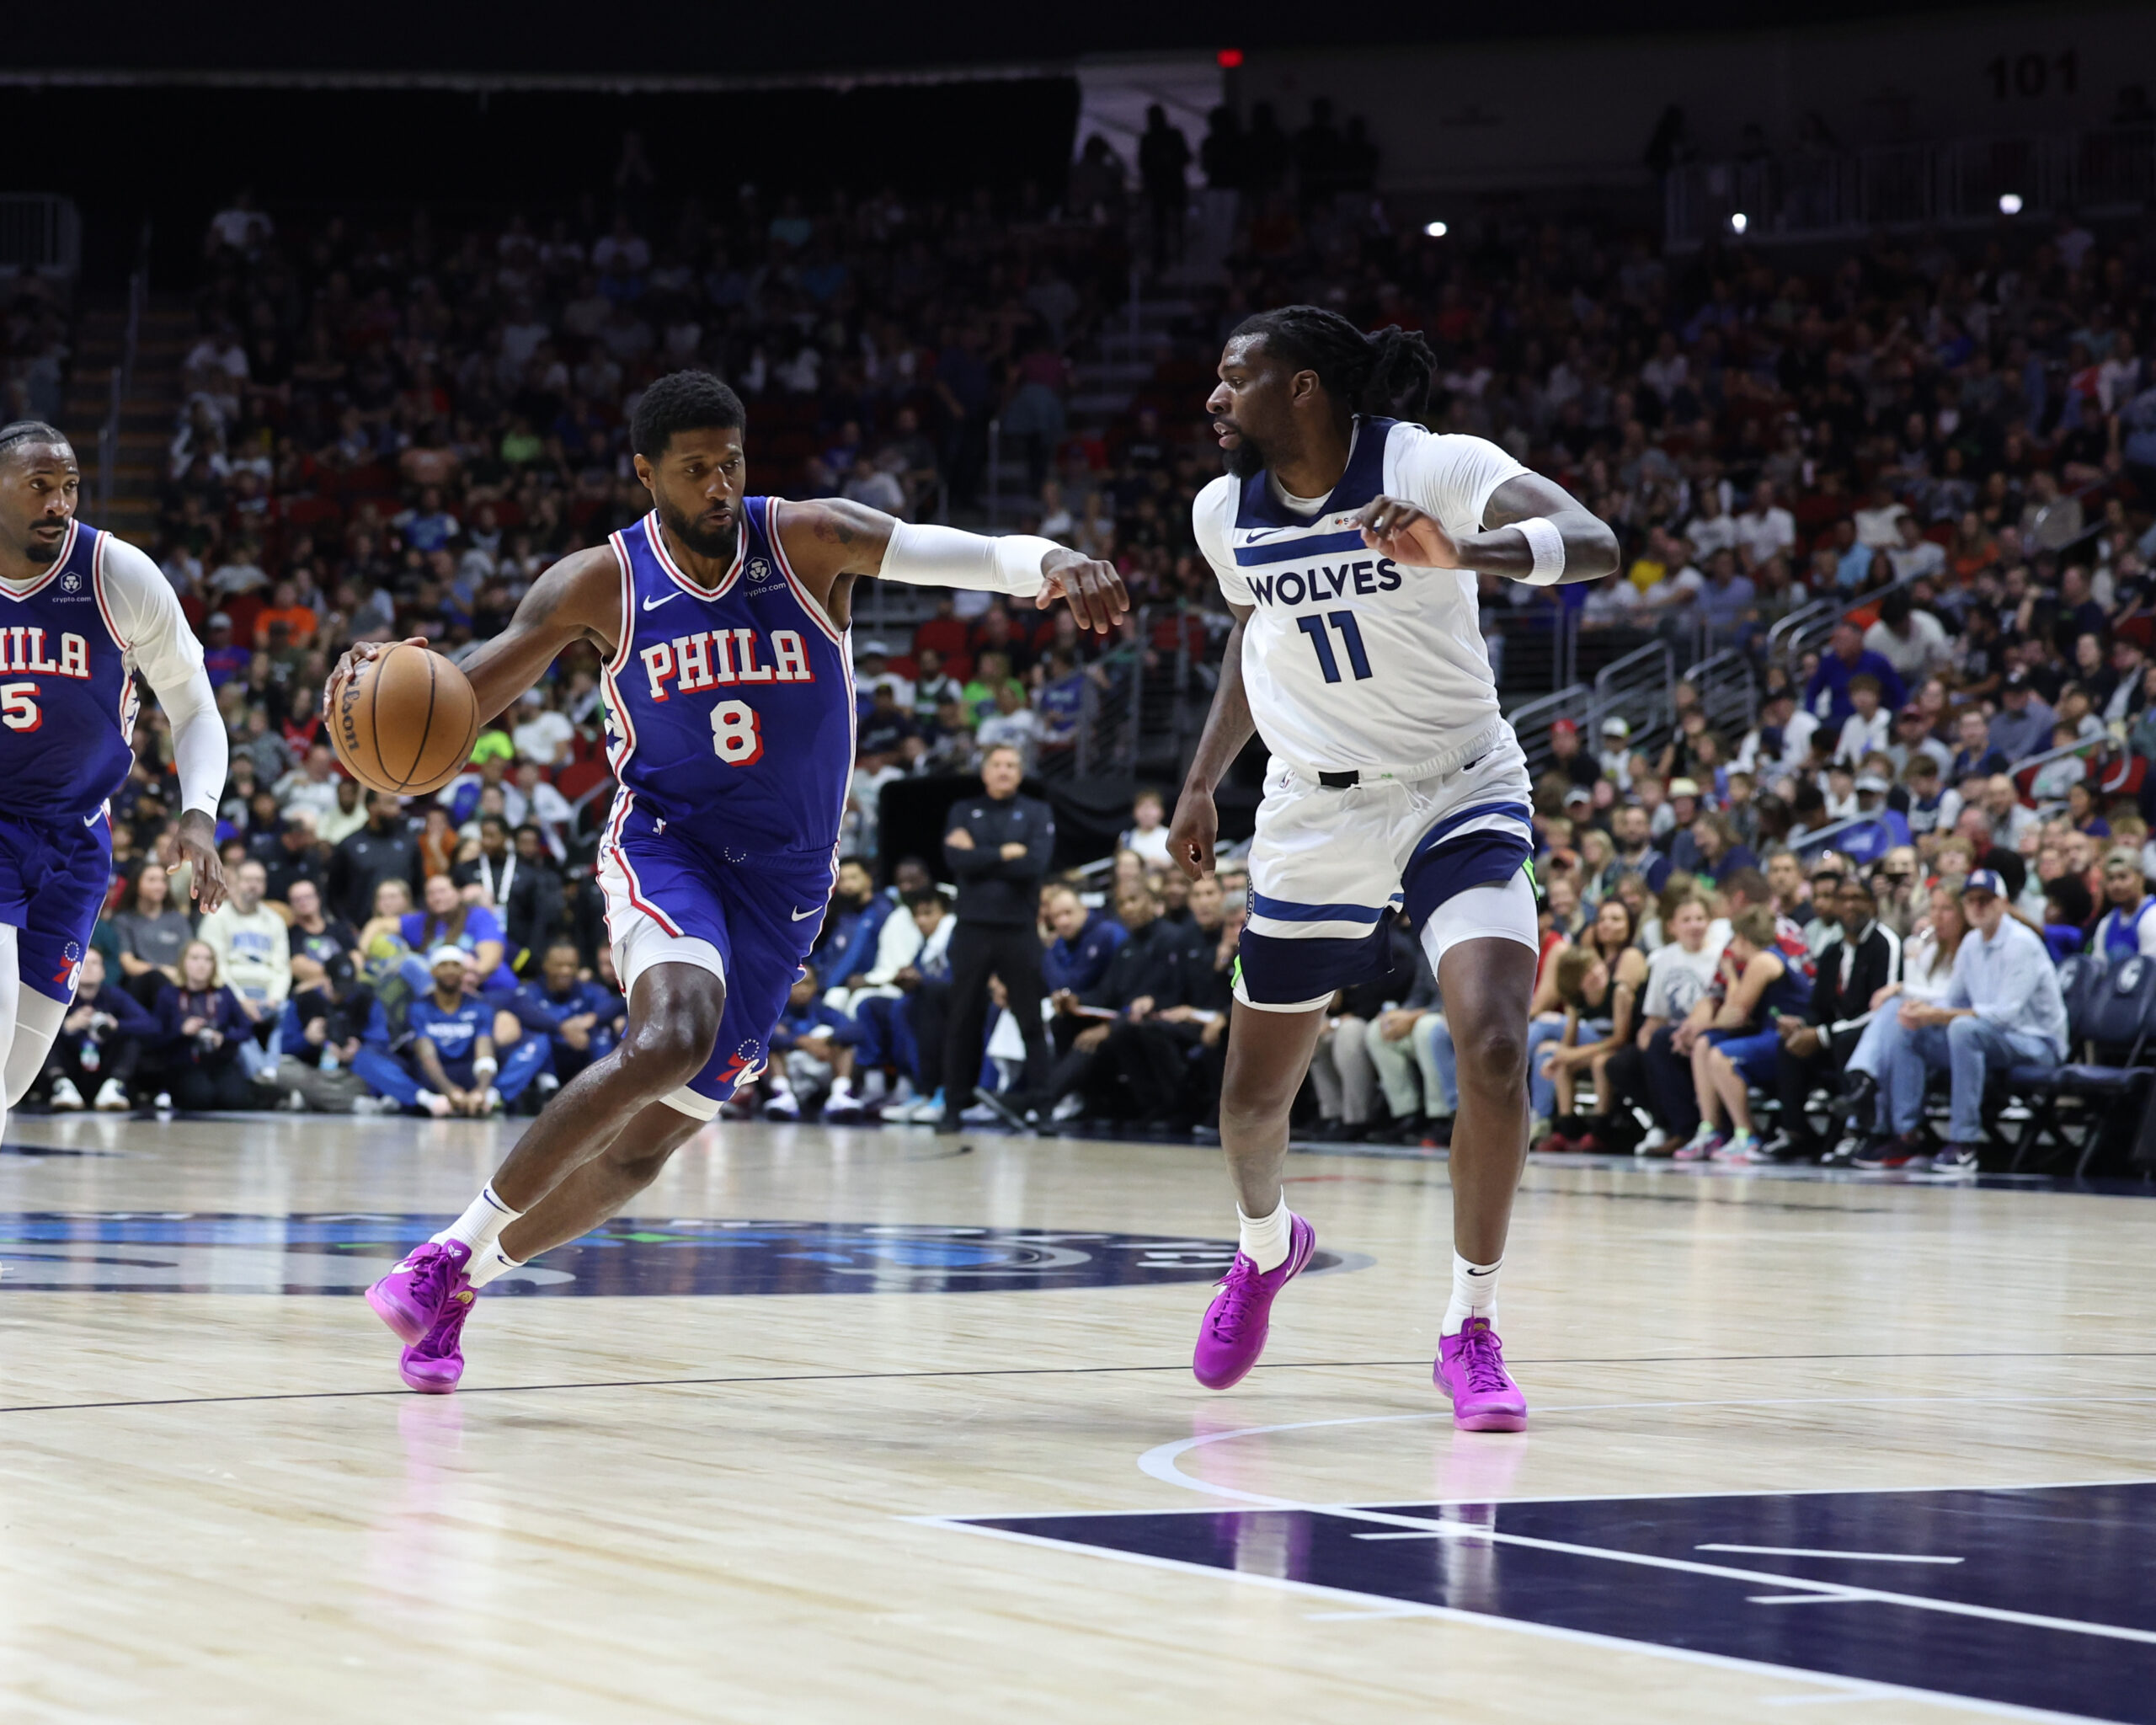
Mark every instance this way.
x=1351 y=660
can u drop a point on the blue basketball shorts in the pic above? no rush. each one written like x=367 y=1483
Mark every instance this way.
x=1330 y=867
x=747 y=917
x=54 y=875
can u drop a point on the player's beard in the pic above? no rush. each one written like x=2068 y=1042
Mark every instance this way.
x=42 y=551
x=1245 y=458
x=719 y=547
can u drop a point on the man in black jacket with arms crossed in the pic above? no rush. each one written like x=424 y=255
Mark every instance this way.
x=1864 y=959
x=997 y=846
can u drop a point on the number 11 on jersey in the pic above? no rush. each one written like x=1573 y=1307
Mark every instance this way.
x=1351 y=638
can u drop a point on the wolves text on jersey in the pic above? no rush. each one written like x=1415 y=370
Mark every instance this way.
x=1324 y=581
x=714 y=657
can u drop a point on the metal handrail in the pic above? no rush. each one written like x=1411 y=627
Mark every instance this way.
x=1797 y=639
x=1617 y=686
x=1778 y=636
x=1720 y=676
x=123 y=374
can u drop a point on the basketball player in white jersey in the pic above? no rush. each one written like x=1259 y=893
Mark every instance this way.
x=1347 y=544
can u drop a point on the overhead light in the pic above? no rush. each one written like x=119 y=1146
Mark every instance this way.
x=1229 y=58
x=2009 y=203
x=1739 y=222
x=1436 y=230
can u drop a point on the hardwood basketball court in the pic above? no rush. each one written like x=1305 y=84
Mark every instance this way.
x=864 y=1423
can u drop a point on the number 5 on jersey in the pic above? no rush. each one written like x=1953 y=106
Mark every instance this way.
x=18 y=706
x=737 y=735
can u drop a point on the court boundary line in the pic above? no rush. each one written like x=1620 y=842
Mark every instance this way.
x=1394 y=1609
x=1026 y=1371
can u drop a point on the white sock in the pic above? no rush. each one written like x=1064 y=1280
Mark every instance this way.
x=489 y=1263
x=1473 y=1294
x=1264 y=1239
x=479 y=1227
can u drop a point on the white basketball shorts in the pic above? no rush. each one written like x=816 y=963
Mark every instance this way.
x=1329 y=866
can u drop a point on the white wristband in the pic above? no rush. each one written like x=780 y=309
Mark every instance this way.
x=1547 y=543
x=484 y=1067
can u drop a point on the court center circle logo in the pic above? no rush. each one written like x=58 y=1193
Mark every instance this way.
x=128 y=1252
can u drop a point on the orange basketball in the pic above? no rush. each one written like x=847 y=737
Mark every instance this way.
x=405 y=722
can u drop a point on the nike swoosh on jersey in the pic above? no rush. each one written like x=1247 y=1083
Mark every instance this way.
x=802 y=915
x=653 y=604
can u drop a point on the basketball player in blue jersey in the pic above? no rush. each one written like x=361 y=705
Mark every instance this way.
x=723 y=622
x=80 y=612
x=1347 y=544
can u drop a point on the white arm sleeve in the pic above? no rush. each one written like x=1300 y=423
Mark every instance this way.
x=929 y=556
x=153 y=629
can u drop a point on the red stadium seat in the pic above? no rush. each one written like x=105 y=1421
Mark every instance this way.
x=580 y=776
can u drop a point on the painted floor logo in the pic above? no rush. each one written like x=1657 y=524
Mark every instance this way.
x=180 y=1253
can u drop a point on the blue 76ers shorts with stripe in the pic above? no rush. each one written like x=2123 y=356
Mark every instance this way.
x=1329 y=866
x=748 y=918
x=53 y=878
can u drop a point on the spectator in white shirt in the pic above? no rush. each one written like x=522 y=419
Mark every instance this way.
x=1714 y=528
x=239 y=225
x=1766 y=529
x=1913 y=554
x=1667 y=370
x=1013 y=725
x=1878 y=527
x=876 y=483
x=1913 y=641
x=1679 y=589
x=253 y=948
x=544 y=807
x=311 y=786
x=1869 y=728
x=1781 y=741
x=544 y=735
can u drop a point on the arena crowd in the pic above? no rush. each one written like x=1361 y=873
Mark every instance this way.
x=390 y=433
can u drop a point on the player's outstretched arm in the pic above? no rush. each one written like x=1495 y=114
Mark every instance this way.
x=579 y=599
x=1532 y=530
x=833 y=538
x=1196 y=828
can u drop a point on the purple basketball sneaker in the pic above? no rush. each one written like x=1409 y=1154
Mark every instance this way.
x=1470 y=1368
x=433 y=1363
x=1233 y=1334
x=411 y=1296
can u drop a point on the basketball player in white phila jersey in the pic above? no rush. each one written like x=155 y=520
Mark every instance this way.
x=1347 y=544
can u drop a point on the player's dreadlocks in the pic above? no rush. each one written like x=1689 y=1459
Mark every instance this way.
x=1385 y=373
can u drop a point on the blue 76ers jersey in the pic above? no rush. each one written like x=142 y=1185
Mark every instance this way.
x=67 y=690
x=732 y=710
